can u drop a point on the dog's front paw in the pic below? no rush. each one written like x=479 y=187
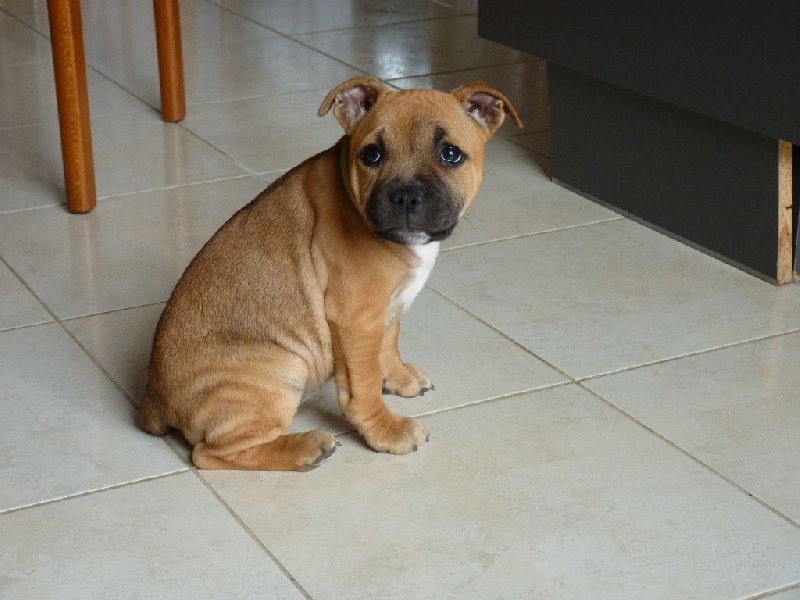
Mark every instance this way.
x=396 y=435
x=406 y=380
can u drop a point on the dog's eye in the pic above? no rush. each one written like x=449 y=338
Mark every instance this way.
x=371 y=155
x=451 y=155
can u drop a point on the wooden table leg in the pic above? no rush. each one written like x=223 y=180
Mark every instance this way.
x=66 y=33
x=170 y=59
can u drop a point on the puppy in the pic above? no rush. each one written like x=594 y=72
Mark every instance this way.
x=310 y=279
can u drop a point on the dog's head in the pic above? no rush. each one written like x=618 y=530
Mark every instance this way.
x=415 y=156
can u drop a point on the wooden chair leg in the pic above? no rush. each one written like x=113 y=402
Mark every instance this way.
x=66 y=33
x=170 y=59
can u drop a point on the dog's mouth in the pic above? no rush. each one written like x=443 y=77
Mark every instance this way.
x=413 y=236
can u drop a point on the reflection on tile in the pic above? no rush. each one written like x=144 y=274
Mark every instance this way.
x=735 y=409
x=451 y=347
x=129 y=251
x=121 y=26
x=120 y=342
x=597 y=299
x=267 y=134
x=235 y=70
x=18 y=307
x=132 y=153
x=525 y=84
x=29 y=96
x=65 y=429
x=291 y=17
x=167 y=538
x=490 y=508
x=409 y=49
x=518 y=198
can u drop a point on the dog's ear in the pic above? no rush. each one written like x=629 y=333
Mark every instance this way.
x=486 y=105
x=352 y=100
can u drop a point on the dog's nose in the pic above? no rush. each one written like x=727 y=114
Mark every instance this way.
x=408 y=199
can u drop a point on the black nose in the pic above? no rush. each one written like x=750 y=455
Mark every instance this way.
x=407 y=198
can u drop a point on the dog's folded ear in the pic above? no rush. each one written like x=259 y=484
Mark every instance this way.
x=352 y=100
x=486 y=105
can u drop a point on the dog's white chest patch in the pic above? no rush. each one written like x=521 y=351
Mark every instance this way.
x=427 y=254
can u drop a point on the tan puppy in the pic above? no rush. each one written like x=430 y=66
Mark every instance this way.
x=309 y=280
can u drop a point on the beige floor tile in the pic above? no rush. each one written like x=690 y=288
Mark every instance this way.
x=65 y=429
x=167 y=538
x=735 y=409
x=517 y=198
x=608 y=296
x=18 y=307
x=547 y=495
x=267 y=134
x=129 y=251
x=525 y=84
x=410 y=49
x=292 y=17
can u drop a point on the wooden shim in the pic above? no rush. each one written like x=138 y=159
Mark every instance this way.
x=785 y=272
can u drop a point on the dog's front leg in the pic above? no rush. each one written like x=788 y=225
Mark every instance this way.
x=400 y=378
x=359 y=382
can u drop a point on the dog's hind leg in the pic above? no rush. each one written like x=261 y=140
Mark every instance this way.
x=252 y=434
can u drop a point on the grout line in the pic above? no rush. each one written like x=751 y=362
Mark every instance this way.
x=92 y=492
x=252 y=534
x=765 y=595
x=179 y=185
x=503 y=334
x=111 y=311
x=534 y=233
x=695 y=459
x=670 y=359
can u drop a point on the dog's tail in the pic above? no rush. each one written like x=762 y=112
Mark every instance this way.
x=151 y=416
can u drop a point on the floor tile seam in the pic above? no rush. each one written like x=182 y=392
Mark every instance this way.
x=390 y=80
x=568 y=378
x=99 y=490
x=772 y=593
x=288 y=37
x=32 y=292
x=534 y=233
x=26 y=326
x=123 y=195
x=695 y=459
x=246 y=528
x=711 y=350
x=26 y=25
x=484 y=401
x=457 y=14
x=111 y=311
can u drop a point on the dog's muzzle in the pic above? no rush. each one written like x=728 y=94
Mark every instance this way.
x=413 y=212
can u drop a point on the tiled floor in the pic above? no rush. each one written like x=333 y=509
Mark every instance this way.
x=616 y=415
